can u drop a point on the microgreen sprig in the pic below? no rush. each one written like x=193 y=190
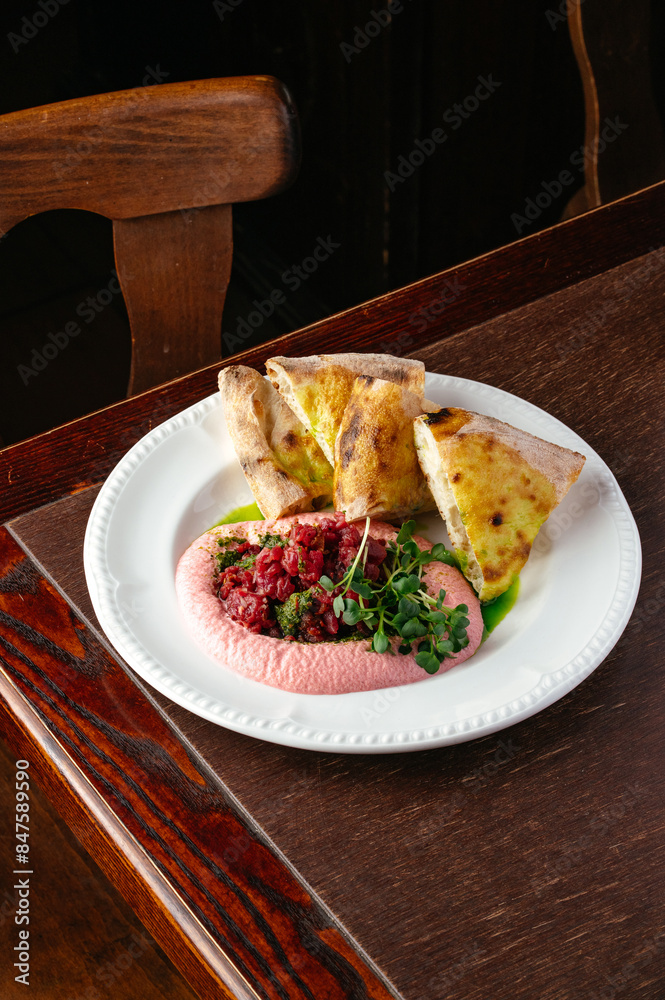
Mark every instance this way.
x=398 y=605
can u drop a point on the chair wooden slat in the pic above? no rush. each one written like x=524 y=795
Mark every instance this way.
x=149 y=150
x=165 y=163
x=624 y=146
x=174 y=269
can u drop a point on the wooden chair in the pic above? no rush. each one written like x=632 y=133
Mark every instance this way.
x=624 y=146
x=165 y=163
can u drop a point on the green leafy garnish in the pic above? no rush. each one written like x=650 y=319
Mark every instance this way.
x=397 y=605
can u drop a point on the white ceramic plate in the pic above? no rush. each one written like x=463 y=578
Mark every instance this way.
x=577 y=593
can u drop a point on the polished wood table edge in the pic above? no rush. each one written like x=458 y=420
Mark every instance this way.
x=208 y=892
x=80 y=453
x=106 y=838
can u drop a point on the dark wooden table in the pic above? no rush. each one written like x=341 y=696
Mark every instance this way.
x=524 y=864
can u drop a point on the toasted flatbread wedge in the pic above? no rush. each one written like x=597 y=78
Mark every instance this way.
x=317 y=388
x=495 y=486
x=286 y=470
x=377 y=473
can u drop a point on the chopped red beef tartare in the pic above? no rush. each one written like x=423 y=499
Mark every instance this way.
x=273 y=588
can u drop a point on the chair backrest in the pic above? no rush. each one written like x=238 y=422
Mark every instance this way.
x=624 y=147
x=165 y=163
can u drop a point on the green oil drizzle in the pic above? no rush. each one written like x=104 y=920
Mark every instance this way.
x=495 y=611
x=250 y=512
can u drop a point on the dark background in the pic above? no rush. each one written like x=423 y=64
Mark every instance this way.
x=359 y=111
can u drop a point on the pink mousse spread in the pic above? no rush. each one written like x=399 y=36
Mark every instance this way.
x=322 y=667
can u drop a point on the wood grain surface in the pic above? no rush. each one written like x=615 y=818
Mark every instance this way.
x=83 y=452
x=524 y=864
x=85 y=941
x=151 y=149
x=215 y=894
x=174 y=270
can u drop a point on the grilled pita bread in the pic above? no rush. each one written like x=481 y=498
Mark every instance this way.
x=317 y=388
x=495 y=486
x=377 y=473
x=286 y=470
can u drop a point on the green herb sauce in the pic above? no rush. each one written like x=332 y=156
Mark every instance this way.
x=289 y=614
x=270 y=540
x=495 y=611
x=250 y=512
x=225 y=559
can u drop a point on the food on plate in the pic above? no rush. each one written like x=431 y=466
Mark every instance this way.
x=317 y=604
x=377 y=473
x=284 y=466
x=317 y=388
x=495 y=486
x=310 y=604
